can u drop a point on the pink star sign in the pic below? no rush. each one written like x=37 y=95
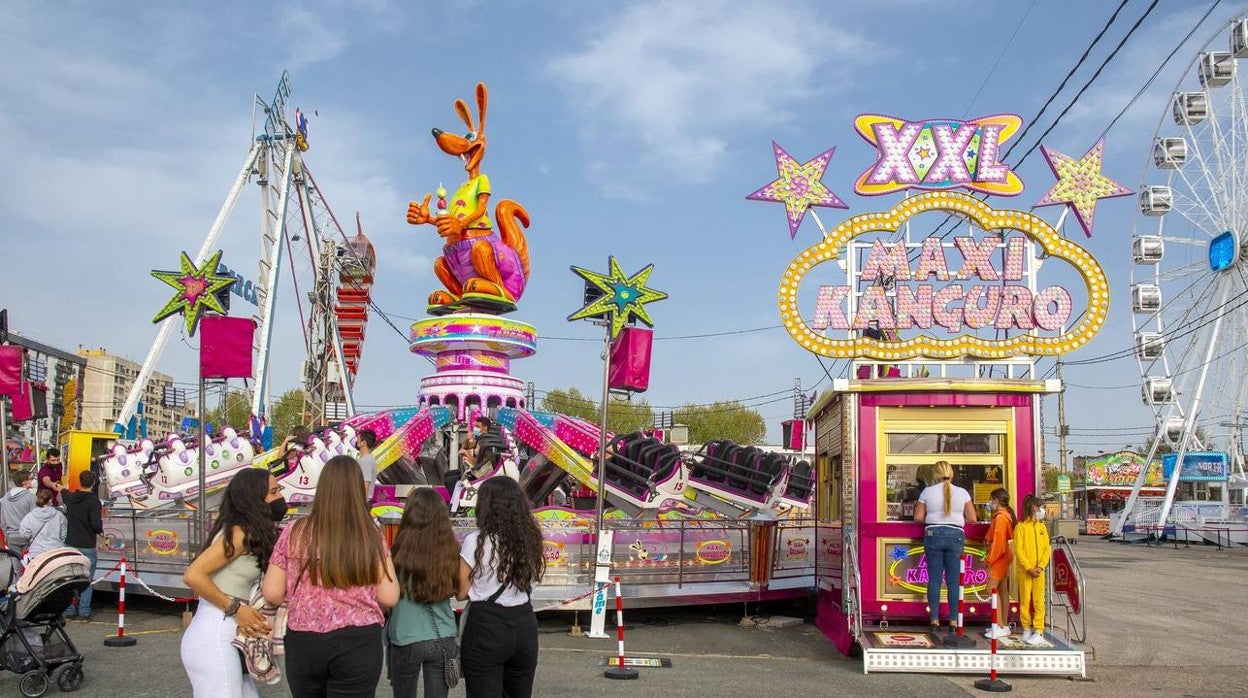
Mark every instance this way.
x=1080 y=183
x=799 y=186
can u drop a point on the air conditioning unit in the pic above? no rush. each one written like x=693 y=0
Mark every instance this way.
x=1149 y=346
x=1158 y=391
x=1169 y=153
x=1156 y=200
x=1145 y=298
x=1190 y=108
x=1217 y=68
x=1148 y=249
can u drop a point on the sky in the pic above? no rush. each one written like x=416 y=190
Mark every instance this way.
x=633 y=129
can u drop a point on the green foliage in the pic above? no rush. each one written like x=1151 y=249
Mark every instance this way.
x=235 y=411
x=1050 y=478
x=285 y=413
x=722 y=420
x=623 y=416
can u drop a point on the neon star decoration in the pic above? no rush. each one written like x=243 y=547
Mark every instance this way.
x=799 y=187
x=197 y=290
x=1080 y=183
x=622 y=296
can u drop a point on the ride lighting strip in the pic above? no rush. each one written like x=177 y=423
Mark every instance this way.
x=988 y=219
x=409 y=438
x=537 y=437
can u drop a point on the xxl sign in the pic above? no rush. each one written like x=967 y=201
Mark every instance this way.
x=961 y=285
x=938 y=154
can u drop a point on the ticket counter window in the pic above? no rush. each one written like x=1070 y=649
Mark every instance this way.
x=978 y=461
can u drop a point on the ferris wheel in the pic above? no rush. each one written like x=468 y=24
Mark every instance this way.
x=1189 y=271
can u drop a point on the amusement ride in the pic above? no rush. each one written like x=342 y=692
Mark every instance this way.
x=941 y=335
x=1188 y=295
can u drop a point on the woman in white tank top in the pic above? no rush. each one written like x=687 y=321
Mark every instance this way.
x=944 y=508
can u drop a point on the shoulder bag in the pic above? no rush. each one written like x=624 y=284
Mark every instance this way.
x=451 y=670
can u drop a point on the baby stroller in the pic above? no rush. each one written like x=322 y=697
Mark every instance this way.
x=33 y=642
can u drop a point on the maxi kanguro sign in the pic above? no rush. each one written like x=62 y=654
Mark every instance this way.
x=879 y=285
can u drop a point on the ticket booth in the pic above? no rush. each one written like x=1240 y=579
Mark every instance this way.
x=875 y=444
x=79 y=449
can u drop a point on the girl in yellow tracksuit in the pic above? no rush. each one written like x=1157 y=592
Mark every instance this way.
x=1031 y=556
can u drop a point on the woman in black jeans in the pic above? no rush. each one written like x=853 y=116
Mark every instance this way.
x=500 y=563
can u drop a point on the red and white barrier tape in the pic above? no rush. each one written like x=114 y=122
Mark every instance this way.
x=565 y=602
x=123 y=564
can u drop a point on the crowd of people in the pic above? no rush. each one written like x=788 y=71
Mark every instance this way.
x=945 y=509
x=328 y=592
x=39 y=514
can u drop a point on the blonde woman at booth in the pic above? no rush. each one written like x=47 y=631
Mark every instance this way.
x=945 y=509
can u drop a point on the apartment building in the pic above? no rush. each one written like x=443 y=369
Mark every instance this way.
x=108 y=380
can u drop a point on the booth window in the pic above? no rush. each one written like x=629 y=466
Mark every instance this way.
x=975 y=442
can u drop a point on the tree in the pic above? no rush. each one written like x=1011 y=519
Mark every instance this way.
x=285 y=413
x=722 y=420
x=235 y=411
x=623 y=416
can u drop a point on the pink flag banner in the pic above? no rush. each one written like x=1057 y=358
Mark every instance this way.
x=225 y=346
x=10 y=370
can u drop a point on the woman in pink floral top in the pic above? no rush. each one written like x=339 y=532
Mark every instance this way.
x=333 y=571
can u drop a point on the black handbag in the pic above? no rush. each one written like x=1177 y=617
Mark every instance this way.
x=450 y=665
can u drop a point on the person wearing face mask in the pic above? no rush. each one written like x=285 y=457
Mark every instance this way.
x=223 y=577
x=16 y=504
x=487 y=443
x=999 y=558
x=1031 y=556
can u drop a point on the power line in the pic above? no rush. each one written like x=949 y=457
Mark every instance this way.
x=1008 y=43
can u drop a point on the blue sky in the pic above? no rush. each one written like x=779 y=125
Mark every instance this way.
x=634 y=129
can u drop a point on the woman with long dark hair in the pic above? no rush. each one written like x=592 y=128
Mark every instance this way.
x=223 y=577
x=334 y=573
x=422 y=627
x=500 y=563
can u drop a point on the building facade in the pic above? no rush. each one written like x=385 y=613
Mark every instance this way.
x=107 y=383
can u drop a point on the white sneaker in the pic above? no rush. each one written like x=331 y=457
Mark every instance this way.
x=997 y=632
x=1027 y=635
x=1036 y=639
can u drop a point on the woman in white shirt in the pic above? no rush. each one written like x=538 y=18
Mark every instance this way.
x=944 y=508
x=500 y=563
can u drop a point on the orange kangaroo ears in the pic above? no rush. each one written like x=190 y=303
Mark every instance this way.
x=461 y=108
x=481 y=101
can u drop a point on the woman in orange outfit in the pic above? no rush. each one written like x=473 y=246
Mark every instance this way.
x=999 y=558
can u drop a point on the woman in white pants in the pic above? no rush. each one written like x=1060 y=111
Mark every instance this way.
x=224 y=576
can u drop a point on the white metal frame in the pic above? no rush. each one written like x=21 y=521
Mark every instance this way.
x=275 y=161
x=1203 y=318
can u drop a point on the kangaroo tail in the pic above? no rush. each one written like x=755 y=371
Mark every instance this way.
x=512 y=221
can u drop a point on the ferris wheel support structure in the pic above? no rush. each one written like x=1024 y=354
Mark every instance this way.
x=131 y=406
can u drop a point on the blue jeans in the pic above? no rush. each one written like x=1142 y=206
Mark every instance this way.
x=84 y=599
x=943 y=547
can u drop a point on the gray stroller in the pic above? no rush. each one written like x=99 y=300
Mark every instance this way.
x=33 y=642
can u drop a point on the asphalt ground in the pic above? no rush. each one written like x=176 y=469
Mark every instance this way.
x=1161 y=622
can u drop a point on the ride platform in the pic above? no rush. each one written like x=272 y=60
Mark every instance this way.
x=917 y=649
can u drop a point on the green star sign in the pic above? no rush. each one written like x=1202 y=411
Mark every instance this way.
x=197 y=291
x=622 y=296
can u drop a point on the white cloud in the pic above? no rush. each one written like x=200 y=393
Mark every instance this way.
x=670 y=81
x=318 y=39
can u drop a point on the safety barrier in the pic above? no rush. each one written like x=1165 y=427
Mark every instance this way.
x=992 y=684
x=620 y=672
x=122 y=567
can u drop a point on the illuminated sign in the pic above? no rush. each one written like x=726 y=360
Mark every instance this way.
x=938 y=154
x=1121 y=469
x=1212 y=466
x=906 y=571
x=955 y=285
